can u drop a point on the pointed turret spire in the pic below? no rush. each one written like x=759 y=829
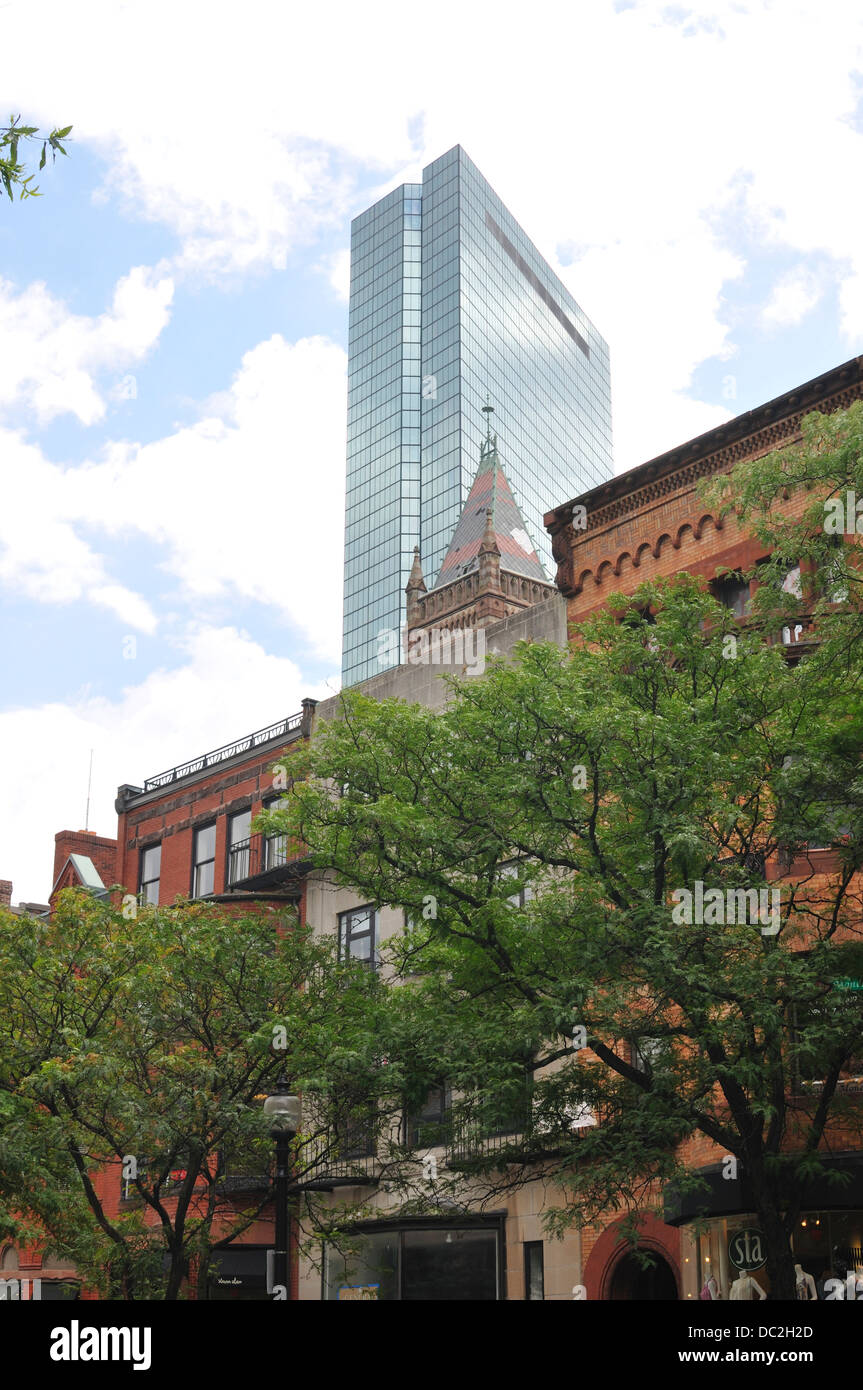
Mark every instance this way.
x=415 y=586
x=490 y=522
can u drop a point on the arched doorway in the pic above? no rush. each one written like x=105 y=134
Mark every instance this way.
x=634 y=1282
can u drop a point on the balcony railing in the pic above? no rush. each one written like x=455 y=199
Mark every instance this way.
x=531 y=1141
x=239 y=861
x=228 y=750
x=340 y=1161
x=256 y=855
x=275 y=851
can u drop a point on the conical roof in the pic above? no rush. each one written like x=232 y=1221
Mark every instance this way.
x=490 y=492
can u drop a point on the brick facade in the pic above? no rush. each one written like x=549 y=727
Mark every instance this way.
x=649 y=524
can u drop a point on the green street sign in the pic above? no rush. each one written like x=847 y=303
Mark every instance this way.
x=847 y=983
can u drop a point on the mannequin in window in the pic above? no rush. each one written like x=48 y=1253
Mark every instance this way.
x=745 y=1288
x=806 y=1291
x=710 y=1289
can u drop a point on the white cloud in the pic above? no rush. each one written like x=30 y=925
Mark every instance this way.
x=50 y=358
x=338 y=271
x=41 y=554
x=246 y=502
x=659 y=139
x=165 y=719
x=792 y=299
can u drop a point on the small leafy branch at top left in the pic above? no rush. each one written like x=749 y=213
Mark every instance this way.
x=14 y=174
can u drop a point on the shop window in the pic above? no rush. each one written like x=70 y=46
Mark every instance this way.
x=420 y=1263
x=204 y=861
x=151 y=868
x=239 y=1273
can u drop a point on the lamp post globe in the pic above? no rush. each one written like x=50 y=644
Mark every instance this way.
x=283 y=1110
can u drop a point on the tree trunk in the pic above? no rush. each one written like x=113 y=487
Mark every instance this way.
x=780 y=1260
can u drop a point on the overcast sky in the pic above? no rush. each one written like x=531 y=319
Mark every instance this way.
x=173 y=314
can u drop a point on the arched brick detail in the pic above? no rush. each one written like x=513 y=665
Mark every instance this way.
x=618 y=564
x=702 y=522
x=653 y=1235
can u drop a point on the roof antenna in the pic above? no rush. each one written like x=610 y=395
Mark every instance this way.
x=89 y=783
x=489 y=448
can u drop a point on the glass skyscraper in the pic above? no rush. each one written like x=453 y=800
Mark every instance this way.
x=451 y=304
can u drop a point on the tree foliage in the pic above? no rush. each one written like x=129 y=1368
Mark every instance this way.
x=141 y=1048
x=13 y=172
x=538 y=833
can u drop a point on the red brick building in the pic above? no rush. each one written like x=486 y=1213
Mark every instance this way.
x=646 y=524
x=187 y=833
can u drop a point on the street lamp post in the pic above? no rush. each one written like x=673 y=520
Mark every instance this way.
x=284 y=1112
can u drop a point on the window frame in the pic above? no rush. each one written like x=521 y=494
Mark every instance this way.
x=346 y=935
x=534 y=1247
x=415 y=1120
x=230 y=880
x=199 y=863
x=144 y=883
x=268 y=841
x=724 y=584
x=510 y=868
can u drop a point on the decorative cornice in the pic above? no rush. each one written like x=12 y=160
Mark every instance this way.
x=756 y=432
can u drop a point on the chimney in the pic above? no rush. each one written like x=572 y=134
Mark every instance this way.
x=5 y=892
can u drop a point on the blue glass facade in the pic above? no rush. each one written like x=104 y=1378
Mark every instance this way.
x=450 y=302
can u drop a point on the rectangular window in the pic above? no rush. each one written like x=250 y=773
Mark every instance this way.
x=151 y=868
x=645 y=1052
x=425 y=1127
x=512 y=869
x=733 y=593
x=534 y=1278
x=204 y=861
x=357 y=936
x=275 y=847
x=239 y=831
x=355 y=1132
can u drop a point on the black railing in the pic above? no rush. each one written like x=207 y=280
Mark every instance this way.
x=527 y=1142
x=228 y=750
x=340 y=1161
x=275 y=851
x=238 y=861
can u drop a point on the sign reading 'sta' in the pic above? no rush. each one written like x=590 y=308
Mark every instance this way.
x=76 y=1343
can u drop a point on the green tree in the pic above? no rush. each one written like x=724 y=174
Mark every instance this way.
x=804 y=502
x=540 y=832
x=139 y=1048
x=13 y=172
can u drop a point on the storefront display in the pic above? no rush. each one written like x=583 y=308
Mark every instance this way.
x=730 y=1251
x=417 y=1261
